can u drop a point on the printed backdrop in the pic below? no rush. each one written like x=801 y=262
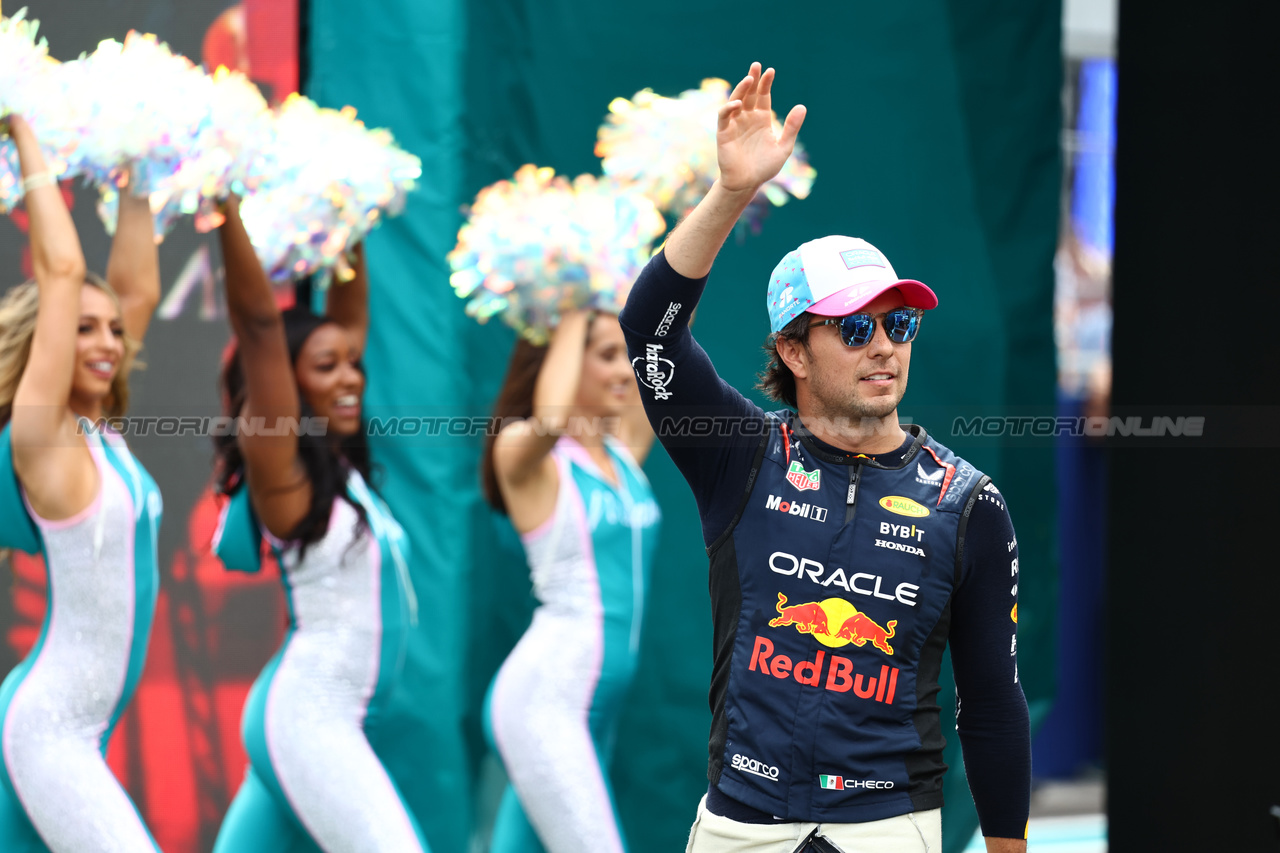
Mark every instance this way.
x=177 y=748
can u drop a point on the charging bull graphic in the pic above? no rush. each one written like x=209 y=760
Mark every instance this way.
x=808 y=618
x=859 y=628
x=816 y=617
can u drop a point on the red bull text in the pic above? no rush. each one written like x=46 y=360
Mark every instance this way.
x=832 y=672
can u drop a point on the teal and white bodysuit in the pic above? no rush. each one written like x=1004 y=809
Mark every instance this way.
x=553 y=708
x=312 y=772
x=59 y=706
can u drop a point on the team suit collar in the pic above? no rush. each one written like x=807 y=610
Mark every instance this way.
x=893 y=460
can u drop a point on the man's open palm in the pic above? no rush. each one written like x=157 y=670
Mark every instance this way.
x=748 y=151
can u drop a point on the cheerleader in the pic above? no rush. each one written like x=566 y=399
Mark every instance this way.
x=312 y=772
x=588 y=521
x=71 y=491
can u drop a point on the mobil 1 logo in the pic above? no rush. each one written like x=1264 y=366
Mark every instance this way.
x=796 y=508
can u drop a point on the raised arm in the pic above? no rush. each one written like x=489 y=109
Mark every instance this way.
x=521 y=453
x=52 y=461
x=348 y=304
x=278 y=484
x=749 y=155
x=680 y=386
x=133 y=269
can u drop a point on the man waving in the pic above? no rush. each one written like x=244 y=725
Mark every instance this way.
x=846 y=552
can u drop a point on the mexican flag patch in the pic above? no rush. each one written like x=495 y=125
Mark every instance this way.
x=802 y=479
x=833 y=783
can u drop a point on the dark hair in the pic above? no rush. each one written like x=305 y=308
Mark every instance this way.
x=326 y=463
x=777 y=381
x=515 y=400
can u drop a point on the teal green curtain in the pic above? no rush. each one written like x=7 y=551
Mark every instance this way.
x=934 y=129
x=399 y=63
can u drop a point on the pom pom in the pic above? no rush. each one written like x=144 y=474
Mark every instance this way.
x=32 y=86
x=331 y=181
x=538 y=246
x=667 y=147
x=223 y=157
x=147 y=105
x=146 y=109
x=229 y=153
x=22 y=54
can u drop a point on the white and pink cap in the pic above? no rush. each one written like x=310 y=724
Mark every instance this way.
x=834 y=276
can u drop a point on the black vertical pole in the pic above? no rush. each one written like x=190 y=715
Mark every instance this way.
x=1194 y=583
x=304 y=46
x=302 y=289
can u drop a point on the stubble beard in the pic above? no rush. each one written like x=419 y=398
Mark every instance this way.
x=846 y=406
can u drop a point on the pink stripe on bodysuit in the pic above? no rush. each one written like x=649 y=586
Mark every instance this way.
x=105 y=471
x=589 y=557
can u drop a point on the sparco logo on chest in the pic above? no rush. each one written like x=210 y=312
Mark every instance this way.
x=655 y=372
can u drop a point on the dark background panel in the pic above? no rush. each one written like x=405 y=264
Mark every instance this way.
x=176 y=749
x=1194 y=700
x=181 y=354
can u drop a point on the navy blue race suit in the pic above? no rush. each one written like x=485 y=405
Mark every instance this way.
x=837 y=581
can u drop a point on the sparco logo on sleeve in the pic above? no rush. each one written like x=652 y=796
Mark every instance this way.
x=673 y=310
x=654 y=372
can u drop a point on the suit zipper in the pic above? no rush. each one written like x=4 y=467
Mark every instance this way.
x=851 y=501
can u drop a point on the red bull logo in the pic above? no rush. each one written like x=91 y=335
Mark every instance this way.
x=832 y=672
x=820 y=617
x=859 y=629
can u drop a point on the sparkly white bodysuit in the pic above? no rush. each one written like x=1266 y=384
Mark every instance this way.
x=312 y=769
x=554 y=706
x=61 y=703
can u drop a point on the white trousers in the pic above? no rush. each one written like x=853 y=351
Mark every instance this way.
x=918 y=832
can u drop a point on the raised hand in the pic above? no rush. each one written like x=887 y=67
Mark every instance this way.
x=55 y=246
x=749 y=152
x=31 y=158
